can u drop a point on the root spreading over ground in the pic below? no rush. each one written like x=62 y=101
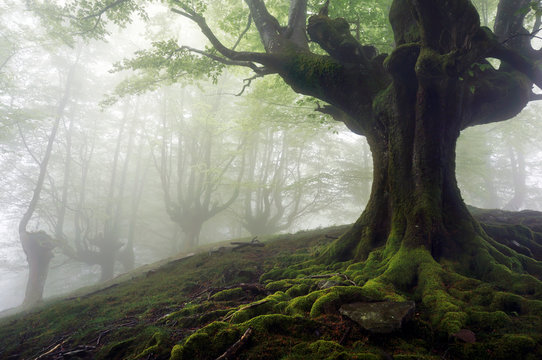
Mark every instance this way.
x=282 y=301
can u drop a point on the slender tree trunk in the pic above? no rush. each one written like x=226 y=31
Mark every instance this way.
x=127 y=256
x=38 y=246
x=111 y=244
x=517 y=167
x=491 y=200
x=86 y=158
x=192 y=232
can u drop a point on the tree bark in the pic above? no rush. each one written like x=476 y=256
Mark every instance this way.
x=38 y=248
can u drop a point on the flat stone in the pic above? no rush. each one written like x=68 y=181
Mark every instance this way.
x=381 y=317
x=466 y=335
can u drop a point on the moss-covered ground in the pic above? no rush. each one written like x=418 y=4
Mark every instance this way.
x=198 y=307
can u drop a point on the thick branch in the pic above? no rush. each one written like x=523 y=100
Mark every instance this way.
x=100 y=12
x=495 y=96
x=267 y=25
x=509 y=23
x=226 y=61
x=334 y=36
x=297 y=20
x=230 y=54
x=339 y=115
x=519 y=62
x=249 y=23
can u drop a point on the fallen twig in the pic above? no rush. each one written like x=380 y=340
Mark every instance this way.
x=57 y=351
x=101 y=335
x=241 y=244
x=236 y=246
x=234 y=349
x=52 y=350
x=344 y=338
x=78 y=350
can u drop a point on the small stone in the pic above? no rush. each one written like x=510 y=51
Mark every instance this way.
x=381 y=317
x=466 y=336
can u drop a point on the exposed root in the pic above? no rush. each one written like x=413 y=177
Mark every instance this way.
x=234 y=349
x=485 y=287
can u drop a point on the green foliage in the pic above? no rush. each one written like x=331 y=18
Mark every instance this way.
x=165 y=64
x=86 y=18
x=368 y=20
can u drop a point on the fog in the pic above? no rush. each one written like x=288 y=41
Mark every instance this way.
x=141 y=168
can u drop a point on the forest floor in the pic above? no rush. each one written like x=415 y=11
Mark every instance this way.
x=250 y=300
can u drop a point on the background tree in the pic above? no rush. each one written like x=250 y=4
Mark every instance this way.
x=194 y=164
x=38 y=246
x=284 y=180
x=497 y=164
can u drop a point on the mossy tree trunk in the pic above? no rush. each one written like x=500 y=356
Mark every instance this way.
x=411 y=105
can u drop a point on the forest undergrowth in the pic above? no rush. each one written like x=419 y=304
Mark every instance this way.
x=270 y=299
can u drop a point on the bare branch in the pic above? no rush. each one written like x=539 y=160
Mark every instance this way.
x=249 y=23
x=217 y=44
x=248 y=82
x=103 y=10
x=324 y=10
x=26 y=144
x=518 y=61
x=509 y=22
x=531 y=35
x=224 y=61
x=4 y=63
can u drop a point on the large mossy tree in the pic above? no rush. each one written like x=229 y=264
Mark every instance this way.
x=416 y=232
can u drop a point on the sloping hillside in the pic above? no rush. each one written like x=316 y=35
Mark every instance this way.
x=253 y=300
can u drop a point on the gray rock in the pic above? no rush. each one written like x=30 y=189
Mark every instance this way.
x=381 y=317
